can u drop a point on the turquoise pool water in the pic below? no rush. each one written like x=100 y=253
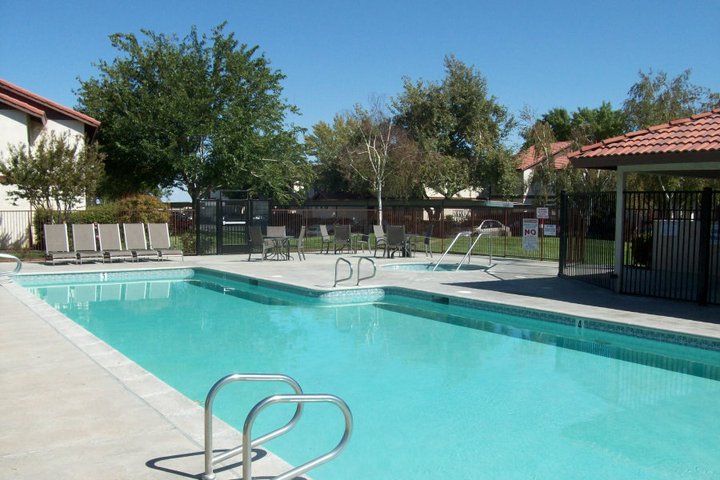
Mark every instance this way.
x=436 y=390
x=428 y=267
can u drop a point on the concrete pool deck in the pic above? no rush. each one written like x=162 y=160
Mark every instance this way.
x=76 y=407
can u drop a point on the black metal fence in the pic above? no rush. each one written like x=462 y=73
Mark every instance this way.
x=587 y=235
x=670 y=243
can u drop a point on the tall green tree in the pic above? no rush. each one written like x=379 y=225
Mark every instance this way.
x=655 y=99
x=327 y=143
x=58 y=172
x=201 y=113
x=381 y=154
x=458 y=119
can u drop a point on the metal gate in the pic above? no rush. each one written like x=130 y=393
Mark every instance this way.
x=587 y=234
x=222 y=226
x=671 y=243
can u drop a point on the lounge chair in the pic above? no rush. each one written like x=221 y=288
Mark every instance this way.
x=325 y=238
x=110 y=244
x=84 y=242
x=396 y=241
x=258 y=244
x=57 y=247
x=342 y=238
x=159 y=235
x=135 y=242
x=379 y=238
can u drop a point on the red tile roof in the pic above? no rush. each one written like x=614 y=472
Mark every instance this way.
x=9 y=90
x=530 y=158
x=699 y=135
x=23 y=107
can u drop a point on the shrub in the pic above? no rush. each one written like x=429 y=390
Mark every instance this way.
x=142 y=209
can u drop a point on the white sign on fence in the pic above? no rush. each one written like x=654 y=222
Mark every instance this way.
x=530 y=234
x=550 y=230
x=542 y=213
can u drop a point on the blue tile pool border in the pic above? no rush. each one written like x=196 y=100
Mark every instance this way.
x=374 y=294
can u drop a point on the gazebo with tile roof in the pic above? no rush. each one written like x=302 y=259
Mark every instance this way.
x=688 y=147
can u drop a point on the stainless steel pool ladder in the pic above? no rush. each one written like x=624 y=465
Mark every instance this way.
x=337 y=263
x=374 y=271
x=359 y=278
x=299 y=399
x=18 y=266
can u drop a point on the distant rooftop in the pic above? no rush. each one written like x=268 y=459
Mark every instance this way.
x=529 y=157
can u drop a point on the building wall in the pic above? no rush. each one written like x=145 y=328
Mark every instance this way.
x=19 y=128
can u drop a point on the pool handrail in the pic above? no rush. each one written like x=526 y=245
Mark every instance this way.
x=372 y=262
x=210 y=460
x=18 y=265
x=299 y=400
x=458 y=236
x=337 y=262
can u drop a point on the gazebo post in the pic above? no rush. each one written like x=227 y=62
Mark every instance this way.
x=619 y=223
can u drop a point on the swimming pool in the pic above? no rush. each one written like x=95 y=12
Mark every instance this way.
x=438 y=388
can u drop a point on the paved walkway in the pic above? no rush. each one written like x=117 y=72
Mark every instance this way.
x=73 y=407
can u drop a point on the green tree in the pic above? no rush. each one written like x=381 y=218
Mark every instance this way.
x=327 y=144
x=381 y=154
x=657 y=99
x=58 y=172
x=201 y=113
x=458 y=119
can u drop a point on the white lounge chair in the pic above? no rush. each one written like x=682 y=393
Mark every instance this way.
x=160 y=241
x=110 y=243
x=84 y=242
x=135 y=241
x=57 y=247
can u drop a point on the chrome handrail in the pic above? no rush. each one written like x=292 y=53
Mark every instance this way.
x=337 y=262
x=469 y=252
x=461 y=234
x=238 y=377
x=358 y=269
x=18 y=265
x=298 y=399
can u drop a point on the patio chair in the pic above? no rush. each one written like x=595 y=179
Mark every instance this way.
x=135 y=241
x=57 y=247
x=110 y=244
x=325 y=238
x=342 y=238
x=426 y=238
x=85 y=242
x=258 y=244
x=159 y=236
x=300 y=243
x=396 y=241
x=379 y=238
x=362 y=242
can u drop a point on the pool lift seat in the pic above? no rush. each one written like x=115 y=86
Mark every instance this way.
x=245 y=449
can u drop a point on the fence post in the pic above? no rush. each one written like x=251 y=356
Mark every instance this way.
x=562 y=254
x=704 y=246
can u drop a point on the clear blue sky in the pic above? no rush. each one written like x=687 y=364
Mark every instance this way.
x=543 y=54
